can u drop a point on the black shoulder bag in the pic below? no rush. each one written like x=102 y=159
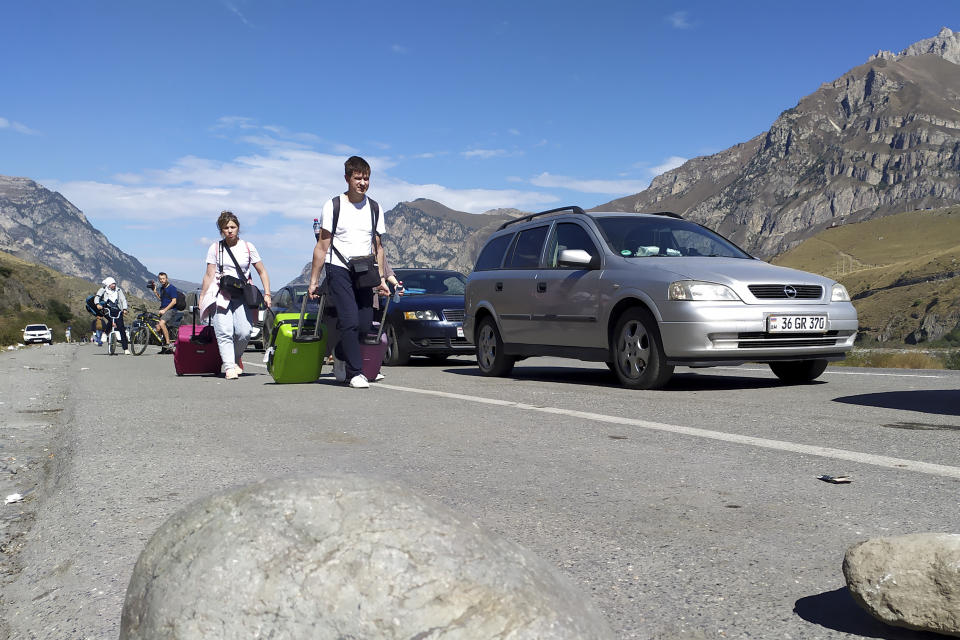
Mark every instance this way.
x=235 y=287
x=364 y=270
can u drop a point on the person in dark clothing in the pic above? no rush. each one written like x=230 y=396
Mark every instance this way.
x=355 y=235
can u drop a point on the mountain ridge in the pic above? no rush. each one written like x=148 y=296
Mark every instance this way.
x=39 y=225
x=880 y=139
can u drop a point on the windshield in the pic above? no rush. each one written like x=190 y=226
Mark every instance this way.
x=36 y=327
x=437 y=283
x=633 y=237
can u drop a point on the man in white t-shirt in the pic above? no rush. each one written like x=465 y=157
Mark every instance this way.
x=355 y=235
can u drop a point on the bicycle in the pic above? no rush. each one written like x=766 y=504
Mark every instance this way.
x=112 y=312
x=145 y=331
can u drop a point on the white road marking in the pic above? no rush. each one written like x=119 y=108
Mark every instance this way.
x=778 y=445
x=847 y=373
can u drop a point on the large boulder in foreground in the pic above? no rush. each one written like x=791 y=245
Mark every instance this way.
x=342 y=557
x=910 y=581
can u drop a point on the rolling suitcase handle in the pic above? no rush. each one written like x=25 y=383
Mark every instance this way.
x=298 y=336
x=383 y=323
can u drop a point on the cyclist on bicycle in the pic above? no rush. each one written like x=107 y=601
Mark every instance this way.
x=111 y=298
x=167 y=295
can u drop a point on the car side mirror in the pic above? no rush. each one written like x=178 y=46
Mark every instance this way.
x=577 y=258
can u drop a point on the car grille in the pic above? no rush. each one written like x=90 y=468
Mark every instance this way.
x=453 y=315
x=779 y=291
x=759 y=340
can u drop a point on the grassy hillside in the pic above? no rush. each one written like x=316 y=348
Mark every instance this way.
x=903 y=272
x=33 y=293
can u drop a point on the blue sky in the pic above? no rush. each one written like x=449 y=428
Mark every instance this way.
x=152 y=117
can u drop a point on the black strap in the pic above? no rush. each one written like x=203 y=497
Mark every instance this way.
x=374 y=219
x=240 y=274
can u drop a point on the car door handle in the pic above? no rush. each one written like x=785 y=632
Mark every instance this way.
x=541 y=287
x=498 y=286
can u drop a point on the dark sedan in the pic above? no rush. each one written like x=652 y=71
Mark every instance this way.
x=428 y=319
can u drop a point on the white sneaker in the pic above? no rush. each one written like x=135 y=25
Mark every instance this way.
x=126 y=352
x=359 y=381
x=339 y=370
x=379 y=377
x=232 y=373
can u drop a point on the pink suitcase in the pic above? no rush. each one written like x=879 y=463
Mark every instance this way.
x=196 y=350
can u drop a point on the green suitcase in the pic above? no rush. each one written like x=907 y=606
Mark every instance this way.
x=298 y=343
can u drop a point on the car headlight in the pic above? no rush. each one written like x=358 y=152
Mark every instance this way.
x=839 y=293
x=420 y=315
x=706 y=291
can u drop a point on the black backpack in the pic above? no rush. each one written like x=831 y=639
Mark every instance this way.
x=91 y=305
x=181 y=302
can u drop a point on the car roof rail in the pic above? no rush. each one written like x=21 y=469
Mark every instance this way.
x=573 y=209
x=669 y=214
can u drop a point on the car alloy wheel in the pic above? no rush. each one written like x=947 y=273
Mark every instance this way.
x=490 y=356
x=395 y=355
x=639 y=361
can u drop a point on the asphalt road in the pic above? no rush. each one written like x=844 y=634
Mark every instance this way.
x=690 y=512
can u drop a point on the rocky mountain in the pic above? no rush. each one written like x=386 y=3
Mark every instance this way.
x=881 y=139
x=425 y=233
x=39 y=225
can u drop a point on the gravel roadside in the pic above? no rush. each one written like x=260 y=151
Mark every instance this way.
x=35 y=406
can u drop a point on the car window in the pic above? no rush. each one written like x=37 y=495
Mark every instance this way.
x=492 y=255
x=569 y=235
x=36 y=327
x=443 y=283
x=527 y=248
x=667 y=237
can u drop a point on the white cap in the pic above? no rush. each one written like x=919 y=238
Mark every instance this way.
x=108 y=281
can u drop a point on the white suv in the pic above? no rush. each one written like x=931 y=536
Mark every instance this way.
x=37 y=333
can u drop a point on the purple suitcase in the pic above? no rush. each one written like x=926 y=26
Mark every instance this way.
x=196 y=350
x=374 y=347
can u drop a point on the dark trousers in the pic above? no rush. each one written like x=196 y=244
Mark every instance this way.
x=354 y=317
x=118 y=325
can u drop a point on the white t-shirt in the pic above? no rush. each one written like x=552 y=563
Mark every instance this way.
x=245 y=253
x=353 y=237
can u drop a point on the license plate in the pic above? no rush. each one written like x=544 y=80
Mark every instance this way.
x=459 y=332
x=796 y=324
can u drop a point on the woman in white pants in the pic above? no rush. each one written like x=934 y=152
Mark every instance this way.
x=232 y=320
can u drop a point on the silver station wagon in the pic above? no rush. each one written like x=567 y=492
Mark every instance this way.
x=646 y=293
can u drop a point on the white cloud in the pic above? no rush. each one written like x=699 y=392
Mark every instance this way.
x=670 y=163
x=276 y=190
x=486 y=154
x=280 y=177
x=236 y=11
x=680 y=20
x=614 y=187
x=16 y=126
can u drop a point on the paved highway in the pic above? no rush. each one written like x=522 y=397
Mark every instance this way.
x=690 y=512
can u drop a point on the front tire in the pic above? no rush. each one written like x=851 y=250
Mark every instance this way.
x=140 y=340
x=638 y=358
x=798 y=372
x=396 y=355
x=113 y=343
x=490 y=356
